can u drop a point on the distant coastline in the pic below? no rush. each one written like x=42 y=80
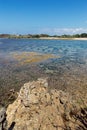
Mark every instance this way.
x=50 y=38
x=55 y=38
x=82 y=36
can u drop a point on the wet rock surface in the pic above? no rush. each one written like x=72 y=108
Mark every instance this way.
x=39 y=108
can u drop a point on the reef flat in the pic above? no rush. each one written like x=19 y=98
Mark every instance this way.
x=32 y=57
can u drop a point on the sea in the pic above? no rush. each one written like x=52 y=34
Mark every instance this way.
x=66 y=70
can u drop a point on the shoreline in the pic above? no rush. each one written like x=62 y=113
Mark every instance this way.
x=55 y=38
x=49 y=38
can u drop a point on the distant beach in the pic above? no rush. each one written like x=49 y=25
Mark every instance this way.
x=56 y=38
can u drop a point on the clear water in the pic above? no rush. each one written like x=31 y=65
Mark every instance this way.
x=64 y=48
x=69 y=72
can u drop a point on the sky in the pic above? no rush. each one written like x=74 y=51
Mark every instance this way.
x=54 y=17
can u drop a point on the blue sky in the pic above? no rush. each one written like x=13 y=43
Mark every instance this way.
x=43 y=16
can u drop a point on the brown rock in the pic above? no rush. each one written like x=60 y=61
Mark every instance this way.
x=37 y=108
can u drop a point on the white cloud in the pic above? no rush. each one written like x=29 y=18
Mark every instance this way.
x=60 y=31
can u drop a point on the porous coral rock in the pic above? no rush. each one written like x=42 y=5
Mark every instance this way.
x=38 y=108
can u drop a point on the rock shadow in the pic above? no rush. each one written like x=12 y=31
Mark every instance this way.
x=12 y=126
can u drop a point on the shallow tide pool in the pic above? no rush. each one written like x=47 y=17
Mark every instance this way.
x=64 y=62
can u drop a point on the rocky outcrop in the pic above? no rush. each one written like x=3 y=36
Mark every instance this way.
x=39 y=108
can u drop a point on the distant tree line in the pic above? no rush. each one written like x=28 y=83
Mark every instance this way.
x=82 y=35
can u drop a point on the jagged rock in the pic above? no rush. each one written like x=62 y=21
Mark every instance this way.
x=38 y=108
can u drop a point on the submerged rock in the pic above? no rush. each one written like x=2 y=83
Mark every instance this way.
x=39 y=108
